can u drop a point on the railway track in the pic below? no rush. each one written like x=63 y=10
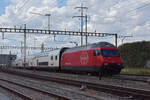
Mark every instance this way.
x=130 y=77
x=28 y=92
x=16 y=93
x=122 y=77
x=133 y=93
x=136 y=75
x=133 y=77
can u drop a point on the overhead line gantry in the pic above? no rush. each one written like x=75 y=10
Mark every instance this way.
x=57 y=32
x=32 y=48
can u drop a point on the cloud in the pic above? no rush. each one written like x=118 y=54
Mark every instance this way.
x=111 y=16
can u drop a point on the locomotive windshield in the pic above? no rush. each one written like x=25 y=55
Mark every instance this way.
x=110 y=53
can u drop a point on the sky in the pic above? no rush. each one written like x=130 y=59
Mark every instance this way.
x=124 y=17
x=3 y=5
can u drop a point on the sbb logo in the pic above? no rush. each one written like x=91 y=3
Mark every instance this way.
x=84 y=58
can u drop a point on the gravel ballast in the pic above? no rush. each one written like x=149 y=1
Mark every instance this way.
x=73 y=93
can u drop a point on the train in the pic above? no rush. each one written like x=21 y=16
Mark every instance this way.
x=101 y=57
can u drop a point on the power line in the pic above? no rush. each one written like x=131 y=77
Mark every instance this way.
x=139 y=8
x=16 y=7
x=20 y=8
x=27 y=21
x=25 y=2
x=136 y=9
x=48 y=16
x=132 y=11
x=132 y=3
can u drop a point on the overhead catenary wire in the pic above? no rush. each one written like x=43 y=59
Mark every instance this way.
x=148 y=4
x=132 y=3
x=129 y=12
x=24 y=3
x=20 y=8
x=19 y=3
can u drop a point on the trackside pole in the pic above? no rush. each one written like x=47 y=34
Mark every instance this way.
x=37 y=64
x=116 y=38
x=100 y=74
x=25 y=37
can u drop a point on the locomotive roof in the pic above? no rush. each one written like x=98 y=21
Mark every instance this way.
x=41 y=54
x=102 y=44
x=47 y=53
x=90 y=46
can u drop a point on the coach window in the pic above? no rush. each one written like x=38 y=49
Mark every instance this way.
x=51 y=57
x=55 y=57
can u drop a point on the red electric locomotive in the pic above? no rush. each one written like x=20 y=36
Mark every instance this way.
x=101 y=57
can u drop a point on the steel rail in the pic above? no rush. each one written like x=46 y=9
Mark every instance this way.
x=135 y=75
x=144 y=80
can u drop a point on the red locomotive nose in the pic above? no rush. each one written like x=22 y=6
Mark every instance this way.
x=111 y=56
x=112 y=60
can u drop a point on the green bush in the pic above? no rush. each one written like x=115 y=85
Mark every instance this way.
x=135 y=54
x=142 y=71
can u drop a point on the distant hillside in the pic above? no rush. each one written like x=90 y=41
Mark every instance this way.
x=135 y=54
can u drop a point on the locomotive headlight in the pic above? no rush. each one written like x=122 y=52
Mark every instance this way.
x=105 y=64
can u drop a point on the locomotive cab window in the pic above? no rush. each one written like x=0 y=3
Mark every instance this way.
x=97 y=52
x=110 y=53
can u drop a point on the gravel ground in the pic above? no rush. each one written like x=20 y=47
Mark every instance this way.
x=73 y=93
x=6 y=95
x=94 y=79
x=28 y=92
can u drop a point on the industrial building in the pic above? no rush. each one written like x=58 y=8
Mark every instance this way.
x=6 y=59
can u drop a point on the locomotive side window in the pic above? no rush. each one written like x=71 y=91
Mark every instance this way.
x=97 y=52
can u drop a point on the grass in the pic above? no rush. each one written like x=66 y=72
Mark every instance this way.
x=142 y=71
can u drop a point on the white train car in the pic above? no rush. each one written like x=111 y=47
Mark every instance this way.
x=48 y=59
x=20 y=62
